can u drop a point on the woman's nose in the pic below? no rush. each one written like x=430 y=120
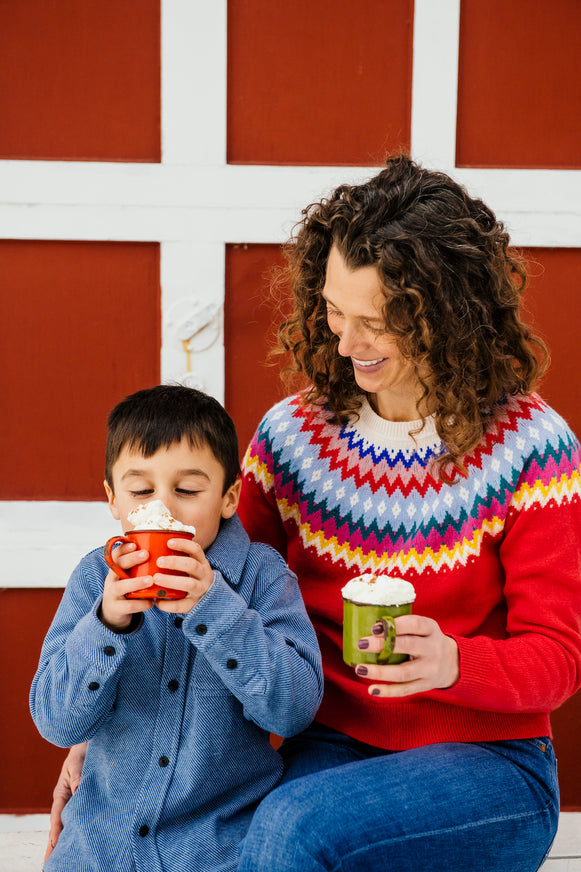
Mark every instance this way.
x=349 y=339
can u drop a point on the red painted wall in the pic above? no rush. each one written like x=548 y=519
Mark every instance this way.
x=80 y=80
x=519 y=88
x=28 y=764
x=553 y=306
x=81 y=330
x=318 y=83
x=253 y=307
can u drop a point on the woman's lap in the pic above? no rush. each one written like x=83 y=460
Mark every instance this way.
x=345 y=806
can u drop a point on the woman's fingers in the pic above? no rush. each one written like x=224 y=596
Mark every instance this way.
x=433 y=663
x=371 y=644
x=407 y=631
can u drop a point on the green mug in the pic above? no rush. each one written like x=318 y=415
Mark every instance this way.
x=358 y=620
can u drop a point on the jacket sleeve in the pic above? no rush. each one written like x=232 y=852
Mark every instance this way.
x=265 y=651
x=538 y=666
x=75 y=686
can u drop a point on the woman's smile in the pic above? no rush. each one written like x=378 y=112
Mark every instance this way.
x=368 y=365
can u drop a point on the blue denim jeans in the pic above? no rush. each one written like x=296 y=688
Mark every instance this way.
x=346 y=806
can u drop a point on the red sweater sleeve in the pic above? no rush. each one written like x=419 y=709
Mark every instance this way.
x=539 y=665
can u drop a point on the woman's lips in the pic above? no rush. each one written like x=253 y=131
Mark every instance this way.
x=368 y=366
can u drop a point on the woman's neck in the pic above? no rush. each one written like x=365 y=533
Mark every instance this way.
x=398 y=409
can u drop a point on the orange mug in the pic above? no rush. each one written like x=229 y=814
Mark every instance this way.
x=155 y=542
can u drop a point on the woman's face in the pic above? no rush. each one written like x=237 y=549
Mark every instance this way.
x=354 y=313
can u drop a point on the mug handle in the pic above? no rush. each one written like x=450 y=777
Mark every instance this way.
x=389 y=644
x=109 y=557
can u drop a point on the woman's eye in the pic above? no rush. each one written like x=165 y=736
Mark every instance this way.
x=375 y=328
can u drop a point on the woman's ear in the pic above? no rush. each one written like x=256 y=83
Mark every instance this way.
x=111 y=500
x=231 y=499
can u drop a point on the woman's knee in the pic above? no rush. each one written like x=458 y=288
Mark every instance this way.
x=287 y=809
x=282 y=828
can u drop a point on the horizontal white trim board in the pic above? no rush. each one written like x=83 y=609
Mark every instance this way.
x=157 y=203
x=42 y=542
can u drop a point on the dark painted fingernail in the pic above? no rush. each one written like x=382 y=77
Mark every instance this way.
x=363 y=644
x=377 y=629
x=375 y=691
x=361 y=670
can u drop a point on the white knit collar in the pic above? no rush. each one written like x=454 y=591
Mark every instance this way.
x=380 y=431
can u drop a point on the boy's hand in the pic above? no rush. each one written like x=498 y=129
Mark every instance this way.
x=116 y=611
x=200 y=575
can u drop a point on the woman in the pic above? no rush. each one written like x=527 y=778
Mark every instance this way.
x=421 y=451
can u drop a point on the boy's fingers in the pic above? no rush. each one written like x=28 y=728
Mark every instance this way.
x=123 y=585
x=133 y=558
x=194 y=588
x=177 y=582
x=187 y=546
x=189 y=565
x=137 y=604
x=140 y=582
x=119 y=587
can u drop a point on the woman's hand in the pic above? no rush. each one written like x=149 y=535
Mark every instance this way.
x=434 y=660
x=68 y=781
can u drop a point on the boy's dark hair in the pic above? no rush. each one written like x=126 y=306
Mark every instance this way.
x=161 y=416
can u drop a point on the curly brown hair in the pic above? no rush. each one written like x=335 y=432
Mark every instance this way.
x=452 y=291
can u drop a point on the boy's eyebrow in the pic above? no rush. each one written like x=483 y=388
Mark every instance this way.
x=136 y=473
x=130 y=473
x=199 y=472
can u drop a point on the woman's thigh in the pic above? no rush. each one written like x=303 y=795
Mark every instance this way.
x=318 y=748
x=489 y=806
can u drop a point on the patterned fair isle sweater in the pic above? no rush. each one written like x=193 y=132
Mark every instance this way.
x=495 y=558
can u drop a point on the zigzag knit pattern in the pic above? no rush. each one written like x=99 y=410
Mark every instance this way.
x=366 y=496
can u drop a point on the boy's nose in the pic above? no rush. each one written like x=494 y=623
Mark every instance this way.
x=169 y=502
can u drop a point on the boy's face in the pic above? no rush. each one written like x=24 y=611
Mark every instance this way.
x=188 y=480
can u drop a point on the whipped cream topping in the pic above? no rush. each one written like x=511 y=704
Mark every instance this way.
x=156 y=516
x=381 y=590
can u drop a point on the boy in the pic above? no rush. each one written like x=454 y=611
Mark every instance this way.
x=176 y=697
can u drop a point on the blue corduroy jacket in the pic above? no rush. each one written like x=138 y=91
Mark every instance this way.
x=177 y=712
